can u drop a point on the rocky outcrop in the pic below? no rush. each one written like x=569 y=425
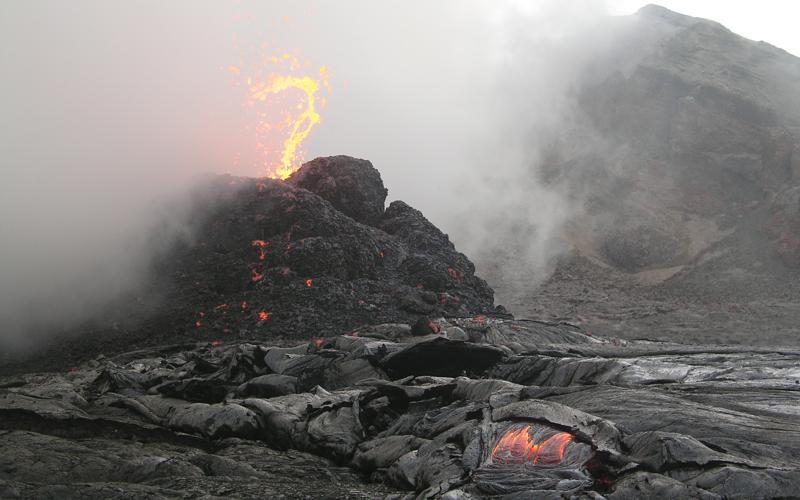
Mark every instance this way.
x=353 y=186
x=310 y=257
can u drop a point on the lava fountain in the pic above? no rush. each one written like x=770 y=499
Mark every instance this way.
x=299 y=118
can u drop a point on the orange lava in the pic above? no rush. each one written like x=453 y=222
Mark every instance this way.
x=263 y=315
x=299 y=118
x=309 y=283
x=261 y=245
x=517 y=447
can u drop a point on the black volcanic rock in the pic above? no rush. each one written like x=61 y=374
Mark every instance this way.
x=322 y=272
x=556 y=414
x=353 y=186
x=271 y=259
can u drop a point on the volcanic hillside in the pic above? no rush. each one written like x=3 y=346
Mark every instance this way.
x=311 y=256
x=686 y=170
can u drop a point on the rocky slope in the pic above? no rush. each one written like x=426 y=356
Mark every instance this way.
x=316 y=255
x=686 y=177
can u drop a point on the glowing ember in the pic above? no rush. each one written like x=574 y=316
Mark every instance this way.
x=261 y=245
x=256 y=276
x=380 y=254
x=263 y=315
x=215 y=343
x=299 y=124
x=221 y=307
x=318 y=343
x=309 y=283
x=243 y=305
x=517 y=447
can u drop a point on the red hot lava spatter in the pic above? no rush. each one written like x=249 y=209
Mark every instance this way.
x=261 y=245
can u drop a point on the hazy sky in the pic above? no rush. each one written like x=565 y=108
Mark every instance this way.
x=773 y=21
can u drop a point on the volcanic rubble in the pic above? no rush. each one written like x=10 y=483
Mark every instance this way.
x=398 y=390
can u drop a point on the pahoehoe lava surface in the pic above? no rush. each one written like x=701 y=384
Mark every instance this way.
x=526 y=409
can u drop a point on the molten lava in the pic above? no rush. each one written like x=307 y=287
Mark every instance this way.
x=298 y=124
x=261 y=245
x=263 y=315
x=518 y=447
x=309 y=283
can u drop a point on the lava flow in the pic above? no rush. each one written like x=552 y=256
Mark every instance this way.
x=298 y=125
x=517 y=447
